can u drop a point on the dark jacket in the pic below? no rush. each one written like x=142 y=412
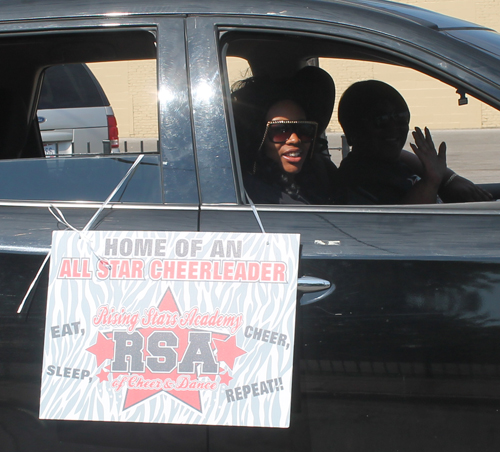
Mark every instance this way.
x=268 y=184
x=369 y=181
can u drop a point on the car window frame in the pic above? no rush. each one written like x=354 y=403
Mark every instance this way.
x=175 y=137
x=414 y=56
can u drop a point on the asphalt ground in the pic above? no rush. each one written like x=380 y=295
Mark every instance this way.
x=472 y=153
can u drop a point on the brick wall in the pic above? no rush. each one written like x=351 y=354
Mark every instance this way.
x=131 y=86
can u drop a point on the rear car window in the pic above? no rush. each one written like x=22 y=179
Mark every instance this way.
x=70 y=86
x=81 y=142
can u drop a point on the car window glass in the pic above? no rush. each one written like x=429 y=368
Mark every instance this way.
x=131 y=87
x=99 y=108
x=468 y=126
x=471 y=130
x=237 y=69
x=70 y=86
x=69 y=177
x=96 y=96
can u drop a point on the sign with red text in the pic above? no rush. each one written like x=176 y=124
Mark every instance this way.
x=170 y=327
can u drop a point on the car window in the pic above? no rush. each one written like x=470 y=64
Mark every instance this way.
x=469 y=127
x=71 y=86
x=69 y=179
x=95 y=98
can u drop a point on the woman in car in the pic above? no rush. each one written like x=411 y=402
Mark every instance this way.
x=278 y=125
x=375 y=119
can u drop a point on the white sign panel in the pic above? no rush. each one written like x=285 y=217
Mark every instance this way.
x=170 y=327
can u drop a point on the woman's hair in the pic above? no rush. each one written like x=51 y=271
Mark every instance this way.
x=359 y=102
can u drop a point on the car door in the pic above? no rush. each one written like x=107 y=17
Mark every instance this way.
x=403 y=353
x=128 y=191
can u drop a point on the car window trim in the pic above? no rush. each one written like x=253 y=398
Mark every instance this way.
x=431 y=71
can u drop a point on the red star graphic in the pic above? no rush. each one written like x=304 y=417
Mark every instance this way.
x=227 y=351
x=103 y=349
x=103 y=376
x=225 y=379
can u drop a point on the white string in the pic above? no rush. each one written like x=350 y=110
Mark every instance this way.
x=132 y=169
x=85 y=229
x=256 y=214
x=58 y=215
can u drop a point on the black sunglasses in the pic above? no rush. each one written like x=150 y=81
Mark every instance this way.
x=281 y=131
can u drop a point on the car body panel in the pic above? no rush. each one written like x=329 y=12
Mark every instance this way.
x=64 y=118
x=72 y=124
x=401 y=281
x=403 y=354
x=15 y=10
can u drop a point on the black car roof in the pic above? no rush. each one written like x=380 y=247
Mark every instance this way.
x=342 y=11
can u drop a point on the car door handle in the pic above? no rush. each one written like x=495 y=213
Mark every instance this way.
x=308 y=285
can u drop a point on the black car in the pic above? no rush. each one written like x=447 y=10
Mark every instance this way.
x=398 y=351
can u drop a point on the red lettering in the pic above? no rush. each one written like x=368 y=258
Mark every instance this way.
x=228 y=270
x=74 y=268
x=169 y=270
x=102 y=269
x=154 y=269
x=205 y=268
x=137 y=269
x=240 y=273
x=115 y=265
x=266 y=272
x=124 y=271
x=253 y=271
x=85 y=268
x=193 y=270
x=65 y=270
x=181 y=269
x=216 y=275
x=279 y=272
x=75 y=264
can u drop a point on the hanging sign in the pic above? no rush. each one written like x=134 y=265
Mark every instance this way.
x=170 y=327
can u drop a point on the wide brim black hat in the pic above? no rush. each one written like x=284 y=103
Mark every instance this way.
x=311 y=87
x=314 y=90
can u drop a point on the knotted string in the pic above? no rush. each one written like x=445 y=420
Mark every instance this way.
x=85 y=229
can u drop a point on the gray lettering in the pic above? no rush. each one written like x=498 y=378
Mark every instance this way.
x=217 y=249
x=195 y=247
x=143 y=247
x=199 y=351
x=164 y=358
x=160 y=247
x=126 y=247
x=111 y=247
x=128 y=346
x=229 y=395
x=182 y=248
x=233 y=248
